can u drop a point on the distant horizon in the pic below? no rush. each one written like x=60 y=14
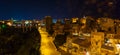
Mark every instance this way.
x=39 y=18
x=26 y=18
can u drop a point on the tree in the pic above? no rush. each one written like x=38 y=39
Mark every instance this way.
x=60 y=40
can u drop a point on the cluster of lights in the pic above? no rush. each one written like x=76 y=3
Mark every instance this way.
x=28 y=22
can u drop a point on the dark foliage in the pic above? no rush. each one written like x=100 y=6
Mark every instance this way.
x=13 y=41
x=60 y=40
x=51 y=32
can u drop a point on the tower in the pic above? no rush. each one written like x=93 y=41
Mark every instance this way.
x=48 y=22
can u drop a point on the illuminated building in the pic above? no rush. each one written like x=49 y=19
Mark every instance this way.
x=117 y=26
x=67 y=25
x=75 y=29
x=107 y=50
x=67 y=21
x=83 y=22
x=77 y=45
x=88 y=44
x=107 y=24
x=97 y=39
x=75 y=20
x=58 y=28
x=116 y=42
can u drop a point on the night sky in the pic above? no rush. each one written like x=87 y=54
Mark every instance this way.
x=37 y=9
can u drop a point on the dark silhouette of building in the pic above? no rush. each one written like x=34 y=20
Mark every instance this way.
x=48 y=22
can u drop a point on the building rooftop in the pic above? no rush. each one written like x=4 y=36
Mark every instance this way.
x=82 y=42
x=117 y=36
x=108 y=47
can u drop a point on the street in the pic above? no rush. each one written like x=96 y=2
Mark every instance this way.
x=47 y=46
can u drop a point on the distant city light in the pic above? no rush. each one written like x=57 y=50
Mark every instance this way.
x=9 y=24
x=110 y=3
x=3 y=22
x=30 y=21
x=19 y=25
x=84 y=16
x=75 y=33
x=26 y=22
x=37 y=21
x=39 y=24
x=74 y=20
x=14 y=24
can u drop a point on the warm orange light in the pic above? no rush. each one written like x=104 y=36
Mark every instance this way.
x=83 y=21
x=74 y=20
x=9 y=23
x=46 y=51
x=3 y=22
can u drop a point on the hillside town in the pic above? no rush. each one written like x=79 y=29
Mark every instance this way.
x=77 y=36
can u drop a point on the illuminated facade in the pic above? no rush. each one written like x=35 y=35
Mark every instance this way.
x=97 y=39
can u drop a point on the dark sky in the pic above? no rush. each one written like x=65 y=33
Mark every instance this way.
x=30 y=9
